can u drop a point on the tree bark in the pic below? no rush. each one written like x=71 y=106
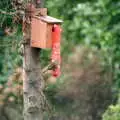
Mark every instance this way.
x=33 y=82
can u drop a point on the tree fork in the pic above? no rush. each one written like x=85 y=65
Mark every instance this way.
x=33 y=82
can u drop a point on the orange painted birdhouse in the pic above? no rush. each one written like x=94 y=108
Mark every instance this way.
x=41 y=31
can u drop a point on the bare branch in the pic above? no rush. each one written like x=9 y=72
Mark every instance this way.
x=7 y=13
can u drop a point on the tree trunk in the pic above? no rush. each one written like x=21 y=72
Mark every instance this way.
x=33 y=83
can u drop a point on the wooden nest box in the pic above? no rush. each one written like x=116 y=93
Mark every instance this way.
x=41 y=30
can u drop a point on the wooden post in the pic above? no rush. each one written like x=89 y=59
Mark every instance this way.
x=33 y=82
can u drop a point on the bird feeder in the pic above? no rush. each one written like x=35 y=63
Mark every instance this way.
x=41 y=29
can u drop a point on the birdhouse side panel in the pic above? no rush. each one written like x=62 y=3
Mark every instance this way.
x=38 y=33
x=49 y=35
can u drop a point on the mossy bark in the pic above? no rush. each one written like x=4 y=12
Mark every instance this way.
x=33 y=83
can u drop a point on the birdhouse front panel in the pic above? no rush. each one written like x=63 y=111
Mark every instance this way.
x=40 y=34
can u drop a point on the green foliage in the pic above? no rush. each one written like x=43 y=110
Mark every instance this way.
x=9 y=56
x=5 y=19
x=95 y=23
x=113 y=113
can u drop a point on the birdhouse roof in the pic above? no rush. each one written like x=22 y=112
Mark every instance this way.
x=49 y=19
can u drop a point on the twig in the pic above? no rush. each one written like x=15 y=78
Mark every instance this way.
x=7 y=13
x=8 y=45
